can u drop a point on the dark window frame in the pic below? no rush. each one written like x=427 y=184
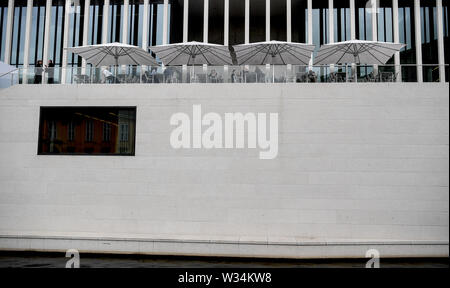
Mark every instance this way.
x=41 y=126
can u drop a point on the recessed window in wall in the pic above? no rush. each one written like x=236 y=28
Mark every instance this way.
x=407 y=36
x=342 y=21
x=278 y=20
x=18 y=32
x=195 y=26
x=299 y=16
x=257 y=21
x=87 y=131
x=3 y=22
x=363 y=11
x=237 y=22
x=428 y=20
x=216 y=21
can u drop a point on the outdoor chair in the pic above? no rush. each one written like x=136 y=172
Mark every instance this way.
x=201 y=78
x=387 y=77
x=251 y=78
x=301 y=77
x=332 y=78
x=81 y=79
x=147 y=78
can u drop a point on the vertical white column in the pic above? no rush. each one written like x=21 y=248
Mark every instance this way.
x=165 y=22
x=374 y=20
x=87 y=4
x=205 y=28
x=267 y=20
x=310 y=30
x=418 y=41
x=331 y=26
x=310 y=24
x=126 y=16
x=289 y=74
x=145 y=26
x=288 y=20
x=205 y=20
x=353 y=35
x=398 y=70
x=375 y=28
x=8 y=37
x=331 y=21
x=247 y=21
x=48 y=15
x=65 y=40
x=26 y=50
x=105 y=22
x=226 y=34
x=226 y=26
x=144 y=32
x=268 y=33
x=440 y=33
x=185 y=36
x=185 y=21
x=352 y=20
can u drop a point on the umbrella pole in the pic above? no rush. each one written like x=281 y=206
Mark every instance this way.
x=117 y=68
x=273 y=73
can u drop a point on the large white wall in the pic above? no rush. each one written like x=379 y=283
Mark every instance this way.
x=357 y=164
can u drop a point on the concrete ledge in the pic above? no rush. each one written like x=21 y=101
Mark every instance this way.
x=257 y=249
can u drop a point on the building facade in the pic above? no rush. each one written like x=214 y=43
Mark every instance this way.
x=40 y=29
x=360 y=166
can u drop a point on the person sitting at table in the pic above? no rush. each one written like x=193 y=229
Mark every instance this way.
x=213 y=76
x=109 y=77
x=233 y=76
x=312 y=76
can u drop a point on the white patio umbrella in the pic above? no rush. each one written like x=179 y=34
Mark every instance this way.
x=192 y=53
x=114 y=54
x=357 y=52
x=274 y=53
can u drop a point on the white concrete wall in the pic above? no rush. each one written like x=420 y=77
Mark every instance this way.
x=357 y=164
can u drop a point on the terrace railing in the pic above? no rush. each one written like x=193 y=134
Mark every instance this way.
x=222 y=74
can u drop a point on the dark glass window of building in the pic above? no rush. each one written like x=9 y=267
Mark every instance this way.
x=87 y=131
